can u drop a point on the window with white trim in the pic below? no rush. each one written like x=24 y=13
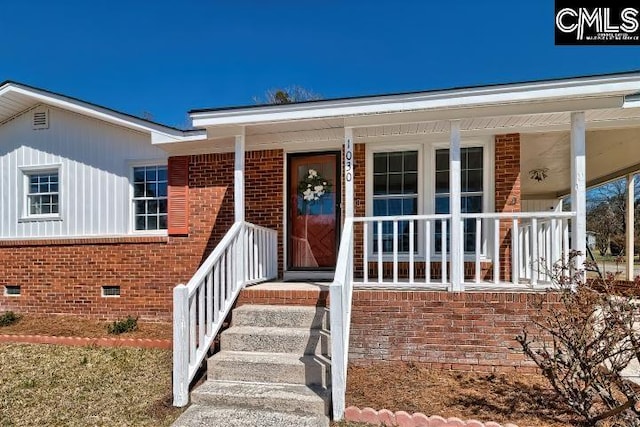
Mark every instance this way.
x=472 y=186
x=395 y=192
x=43 y=193
x=150 y=198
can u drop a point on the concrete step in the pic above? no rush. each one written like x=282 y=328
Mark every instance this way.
x=275 y=340
x=270 y=368
x=294 y=398
x=281 y=316
x=207 y=416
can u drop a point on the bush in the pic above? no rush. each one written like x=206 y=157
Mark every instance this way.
x=9 y=318
x=121 y=326
x=584 y=342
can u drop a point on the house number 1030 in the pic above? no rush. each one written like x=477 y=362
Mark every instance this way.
x=348 y=161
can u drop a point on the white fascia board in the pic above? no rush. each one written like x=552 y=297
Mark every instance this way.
x=157 y=131
x=452 y=99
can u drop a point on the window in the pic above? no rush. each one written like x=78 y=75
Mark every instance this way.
x=150 y=198
x=395 y=192
x=43 y=193
x=472 y=187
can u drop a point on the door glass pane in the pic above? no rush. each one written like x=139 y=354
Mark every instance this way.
x=312 y=213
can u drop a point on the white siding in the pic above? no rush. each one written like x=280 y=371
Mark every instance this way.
x=95 y=161
x=543 y=205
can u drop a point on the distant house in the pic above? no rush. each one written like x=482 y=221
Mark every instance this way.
x=591 y=239
x=430 y=211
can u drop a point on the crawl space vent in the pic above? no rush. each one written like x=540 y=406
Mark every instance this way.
x=12 y=290
x=41 y=119
x=110 y=291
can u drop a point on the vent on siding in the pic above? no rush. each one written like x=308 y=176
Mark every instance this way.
x=12 y=290
x=110 y=291
x=41 y=119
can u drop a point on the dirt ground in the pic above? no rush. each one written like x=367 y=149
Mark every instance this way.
x=79 y=327
x=525 y=400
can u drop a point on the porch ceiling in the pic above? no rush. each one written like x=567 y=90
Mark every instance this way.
x=333 y=129
x=610 y=154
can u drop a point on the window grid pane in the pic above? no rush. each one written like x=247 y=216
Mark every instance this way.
x=395 y=189
x=42 y=195
x=472 y=186
x=150 y=197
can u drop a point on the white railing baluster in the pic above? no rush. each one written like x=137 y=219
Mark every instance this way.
x=256 y=271
x=496 y=251
x=210 y=318
x=526 y=260
x=514 y=252
x=365 y=252
x=427 y=251
x=201 y=313
x=395 y=251
x=565 y=242
x=555 y=242
x=443 y=249
x=478 y=248
x=411 y=243
x=223 y=278
x=380 y=265
x=216 y=292
x=534 y=252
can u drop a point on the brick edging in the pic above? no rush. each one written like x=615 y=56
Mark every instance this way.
x=404 y=419
x=80 y=341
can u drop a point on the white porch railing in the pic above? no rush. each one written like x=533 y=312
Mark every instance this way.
x=416 y=249
x=247 y=254
x=340 y=294
x=400 y=243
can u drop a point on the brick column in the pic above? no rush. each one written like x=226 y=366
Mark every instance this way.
x=359 y=206
x=507 y=192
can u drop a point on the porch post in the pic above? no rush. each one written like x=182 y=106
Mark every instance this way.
x=578 y=186
x=238 y=182
x=630 y=225
x=457 y=246
x=348 y=172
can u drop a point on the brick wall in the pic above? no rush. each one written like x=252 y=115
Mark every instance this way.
x=507 y=192
x=66 y=276
x=463 y=331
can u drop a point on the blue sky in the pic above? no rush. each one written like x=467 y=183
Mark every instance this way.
x=167 y=57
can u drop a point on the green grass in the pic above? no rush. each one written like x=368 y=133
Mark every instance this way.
x=80 y=386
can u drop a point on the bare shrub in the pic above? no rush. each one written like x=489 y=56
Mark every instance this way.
x=585 y=335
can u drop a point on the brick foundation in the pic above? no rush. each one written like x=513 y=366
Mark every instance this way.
x=472 y=331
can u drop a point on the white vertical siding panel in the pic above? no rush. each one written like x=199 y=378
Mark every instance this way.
x=94 y=159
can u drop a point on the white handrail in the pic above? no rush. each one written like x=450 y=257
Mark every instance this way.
x=341 y=292
x=246 y=254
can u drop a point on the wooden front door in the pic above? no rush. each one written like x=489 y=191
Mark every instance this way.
x=312 y=211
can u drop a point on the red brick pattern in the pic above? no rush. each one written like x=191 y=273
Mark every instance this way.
x=507 y=192
x=384 y=417
x=472 y=331
x=65 y=276
x=318 y=298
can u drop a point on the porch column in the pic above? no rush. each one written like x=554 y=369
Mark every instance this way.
x=457 y=245
x=630 y=226
x=348 y=172
x=238 y=179
x=578 y=186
